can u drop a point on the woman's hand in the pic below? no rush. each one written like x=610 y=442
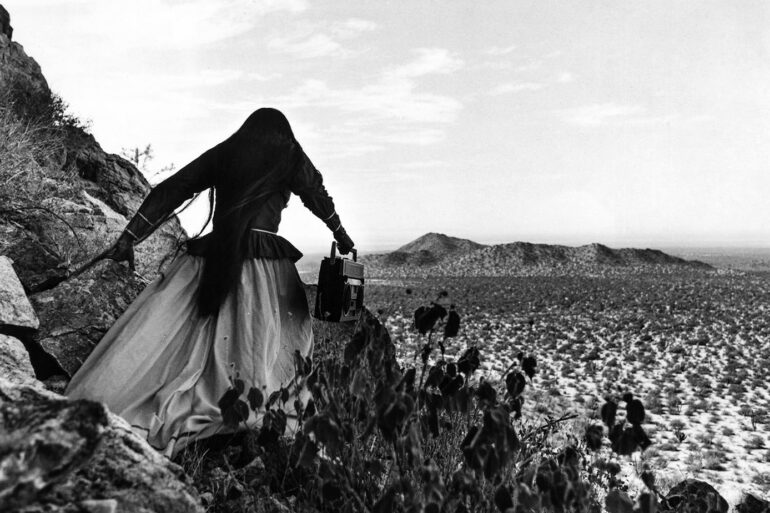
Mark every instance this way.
x=122 y=251
x=344 y=243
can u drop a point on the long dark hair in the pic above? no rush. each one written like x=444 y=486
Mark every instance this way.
x=255 y=162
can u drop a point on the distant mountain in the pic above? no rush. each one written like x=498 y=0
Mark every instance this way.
x=429 y=249
x=440 y=244
x=441 y=255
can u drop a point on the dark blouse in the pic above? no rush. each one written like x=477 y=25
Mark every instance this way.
x=200 y=174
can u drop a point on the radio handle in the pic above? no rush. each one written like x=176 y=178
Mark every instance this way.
x=334 y=252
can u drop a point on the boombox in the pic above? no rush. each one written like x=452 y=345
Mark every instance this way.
x=340 y=294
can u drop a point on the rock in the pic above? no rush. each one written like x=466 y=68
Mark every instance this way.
x=90 y=194
x=48 y=243
x=5 y=23
x=16 y=66
x=15 y=310
x=78 y=312
x=55 y=452
x=14 y=362
x=753 y=504
x=693 y=496
x=110 y=178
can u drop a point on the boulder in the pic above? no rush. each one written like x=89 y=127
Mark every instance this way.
x=78 y=312
x=48 y=242
x=14 y=362
x=111 y=178
x=59 y=455
x=752 y=504
x=15 y=310
x=693 y=496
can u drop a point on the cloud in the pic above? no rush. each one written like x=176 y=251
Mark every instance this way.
x=179 y=25
x=429 y=61
x=391 y=109
x=317 y=45
x=600 y=113
x=515 y=87
x=352 y=27
x=565 y=77
x=387 y=99
x=311 y=41
x=395 y=95
x=500 y=50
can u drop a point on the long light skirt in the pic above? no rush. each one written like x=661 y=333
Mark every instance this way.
x=163 y=368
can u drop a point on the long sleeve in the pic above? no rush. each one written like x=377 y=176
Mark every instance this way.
x=168 y=195
x=307 y=183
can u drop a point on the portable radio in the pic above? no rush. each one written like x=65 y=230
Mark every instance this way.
x=340 y=294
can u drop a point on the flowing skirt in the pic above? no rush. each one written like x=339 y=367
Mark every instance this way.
x=164 y=368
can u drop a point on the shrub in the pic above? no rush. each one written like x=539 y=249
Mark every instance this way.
x=376 y=437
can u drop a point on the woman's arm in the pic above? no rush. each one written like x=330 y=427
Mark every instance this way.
x=161 y=202
x=307 y=183
x=169 y=195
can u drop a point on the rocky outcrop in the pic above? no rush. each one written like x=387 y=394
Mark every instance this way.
x=15 y=310
x=61 y=205
x=5 y=23
x=78 y=312
x=59 y=455
x=691 y=496
x=86 y=194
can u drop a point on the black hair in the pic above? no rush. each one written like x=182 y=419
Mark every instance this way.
x=256 y=161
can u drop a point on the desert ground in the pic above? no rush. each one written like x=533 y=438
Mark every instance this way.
x=693 y=345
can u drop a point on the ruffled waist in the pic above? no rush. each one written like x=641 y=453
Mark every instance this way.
x=259 y=244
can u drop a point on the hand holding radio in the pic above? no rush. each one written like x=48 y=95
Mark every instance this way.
x=344 y=242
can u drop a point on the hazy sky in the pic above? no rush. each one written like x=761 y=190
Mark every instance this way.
x=627 y=123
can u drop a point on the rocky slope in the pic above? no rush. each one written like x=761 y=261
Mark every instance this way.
x=440 y=255
x=62 y=206
x=62 y=200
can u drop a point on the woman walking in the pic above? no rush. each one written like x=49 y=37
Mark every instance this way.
x=232 y=302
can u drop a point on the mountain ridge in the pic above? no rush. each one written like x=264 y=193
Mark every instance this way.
x=443 y=255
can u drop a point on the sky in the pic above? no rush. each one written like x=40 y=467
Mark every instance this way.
x=622 y=122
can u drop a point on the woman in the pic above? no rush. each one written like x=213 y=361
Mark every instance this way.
x=232 y=303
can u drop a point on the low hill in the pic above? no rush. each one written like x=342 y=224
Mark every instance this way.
x=439 y=245
x=440 y=255
x=429 y=249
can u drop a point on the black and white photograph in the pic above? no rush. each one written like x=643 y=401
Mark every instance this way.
x=409 y=256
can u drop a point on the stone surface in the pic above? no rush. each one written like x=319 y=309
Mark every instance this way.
x=15 y=309
x=752 y=504
x=5 y=23
x=55 y=453
x=78 y=312
x=693 y=496
x=14 y=362
x=15 y=64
